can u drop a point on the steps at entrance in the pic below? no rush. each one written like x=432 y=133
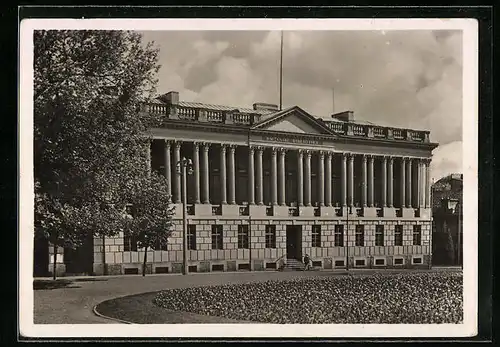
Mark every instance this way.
x=293 y=265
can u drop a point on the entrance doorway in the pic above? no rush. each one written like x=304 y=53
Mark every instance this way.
x=294 y=242
x=80 y=261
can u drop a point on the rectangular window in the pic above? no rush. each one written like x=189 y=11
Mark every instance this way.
x=191 y=237
x=242 y=236
x=217 y=237
x=360 y=235
x=398 y=235
x=160 y=246
x=129 y=243
x=379 y=235
x=316 y=236
x=339 y=236
x=270 y=236
x=417 y=235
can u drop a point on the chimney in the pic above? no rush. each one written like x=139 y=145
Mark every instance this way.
x=264 y=106
x=171 y=97
x=346 y=116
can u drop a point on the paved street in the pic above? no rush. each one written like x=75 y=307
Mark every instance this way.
x=74 y=303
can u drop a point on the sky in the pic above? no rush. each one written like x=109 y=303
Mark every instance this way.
x=396 y=78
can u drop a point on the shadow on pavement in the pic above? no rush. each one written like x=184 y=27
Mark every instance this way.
x=51 y=284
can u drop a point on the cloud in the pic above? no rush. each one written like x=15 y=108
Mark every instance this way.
x=400 y=78
x=447 y=159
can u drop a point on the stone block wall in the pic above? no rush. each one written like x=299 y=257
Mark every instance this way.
x=257 y=256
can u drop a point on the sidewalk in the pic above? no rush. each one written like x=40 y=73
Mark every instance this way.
x=74 y=301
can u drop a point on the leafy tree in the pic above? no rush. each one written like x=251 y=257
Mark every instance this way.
x=88 y=133
x=151 y=213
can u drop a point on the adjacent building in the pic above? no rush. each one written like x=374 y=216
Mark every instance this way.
x=272 y=184
x=447 y=231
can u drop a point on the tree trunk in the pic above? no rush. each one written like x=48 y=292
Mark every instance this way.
x=54 y=265
x=144 y=263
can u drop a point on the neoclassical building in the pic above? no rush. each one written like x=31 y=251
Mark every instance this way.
x=270 y=185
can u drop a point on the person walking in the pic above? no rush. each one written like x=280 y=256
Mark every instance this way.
x=307 y=262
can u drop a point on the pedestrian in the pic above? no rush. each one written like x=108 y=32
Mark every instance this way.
x=307 y=262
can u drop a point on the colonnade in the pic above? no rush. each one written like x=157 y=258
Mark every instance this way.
x=200 y=157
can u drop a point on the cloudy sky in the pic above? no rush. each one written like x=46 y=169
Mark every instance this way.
x=398 y=78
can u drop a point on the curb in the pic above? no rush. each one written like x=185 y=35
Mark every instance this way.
x=94 y=310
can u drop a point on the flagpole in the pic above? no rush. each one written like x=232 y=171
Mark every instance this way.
x=281 y=73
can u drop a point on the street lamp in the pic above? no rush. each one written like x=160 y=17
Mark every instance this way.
x=184 y=167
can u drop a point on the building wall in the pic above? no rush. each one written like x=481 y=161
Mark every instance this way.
x=257 y=256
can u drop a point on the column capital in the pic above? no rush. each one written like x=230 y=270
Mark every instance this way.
x=346 y=154
x=259 y=149
x=351 y=157
x=300 y=151
x=232 y=147
x=177 y=144
x=282 y=150
x=329 y=155
x=196 y=145
x=206 y=146
x=365 y=157
x=321 y=154
x=251 y=149
x=223 y=147
x=167 y=143
x=308 y=153
x=274 y=151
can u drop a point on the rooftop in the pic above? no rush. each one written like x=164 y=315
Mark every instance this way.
x=340 y=124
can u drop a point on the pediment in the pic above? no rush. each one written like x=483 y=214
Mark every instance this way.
x=294 y=120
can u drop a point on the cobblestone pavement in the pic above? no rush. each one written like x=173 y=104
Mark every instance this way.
x=73 y=302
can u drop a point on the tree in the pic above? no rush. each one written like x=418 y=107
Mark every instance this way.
x=88 y=133
x=151 y=214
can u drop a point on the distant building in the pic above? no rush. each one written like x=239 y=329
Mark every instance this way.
x=447 y=220
x=272 y=184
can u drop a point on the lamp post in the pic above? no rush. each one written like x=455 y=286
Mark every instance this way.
x=184 y=167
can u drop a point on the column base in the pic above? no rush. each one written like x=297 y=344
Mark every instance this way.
x=408 y=212
x=306 y=211
x=327 y=211
x=425 y=213
x=389 y=212
x=370 y=212
x=257 y=211
x=229 y=210
x=280 y=211
x=202 y=210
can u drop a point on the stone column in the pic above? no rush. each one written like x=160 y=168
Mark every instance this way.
x=196 y=171
x=282 y=177
x=328 y=182
x=390 y=180
x=274 y=176
x=403 y=183
x=206 y=174
x=371 y=180
x=408 y=183
x=260 y=177
x=419 y=198
x=251 y=176
x=232 y=176
x=384 y=181
x=177 y=159
x=321 y=178
x=427 y=184
x=300 y=177
x=364 y=189
x=307 y=198
x=351 y=180
x=223 y=176
x=344 y=180
x=168 y=167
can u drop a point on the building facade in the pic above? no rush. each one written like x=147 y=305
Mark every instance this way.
x=270 y=185
x=447 y=230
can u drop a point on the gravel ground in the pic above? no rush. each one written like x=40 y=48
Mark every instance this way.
x=398 y=298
